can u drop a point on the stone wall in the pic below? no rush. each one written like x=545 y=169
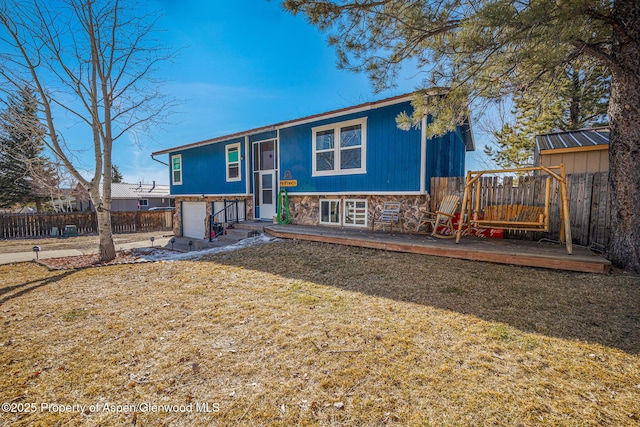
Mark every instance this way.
x=305 y=210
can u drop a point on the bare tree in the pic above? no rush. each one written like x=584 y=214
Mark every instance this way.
x=92 y=60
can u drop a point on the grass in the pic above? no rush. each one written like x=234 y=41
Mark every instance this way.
x=297 y=333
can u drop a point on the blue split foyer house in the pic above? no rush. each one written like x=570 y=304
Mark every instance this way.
x=338 y=167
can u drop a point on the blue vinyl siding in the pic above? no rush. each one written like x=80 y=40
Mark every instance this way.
x=392 y=162
x=445 y=156
x=204 y=170
x=392 y=158
x=272 y=134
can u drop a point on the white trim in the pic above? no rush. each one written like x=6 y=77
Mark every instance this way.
x=174 y=182
x=277 y=163
x=366 y=213
x=257 y=141
x=320 y=212
x=247 y=172
x=423 y=156
x=209 y=195
x=337 y=149
x=357 y=193
x=227 y=148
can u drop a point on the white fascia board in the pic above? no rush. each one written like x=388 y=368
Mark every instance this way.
x=357 y=193
x=239 y=195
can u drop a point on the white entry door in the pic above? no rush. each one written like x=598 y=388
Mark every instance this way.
x=267 y=194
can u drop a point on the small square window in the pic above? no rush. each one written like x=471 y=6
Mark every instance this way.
x=330 y=212
x=355 y=213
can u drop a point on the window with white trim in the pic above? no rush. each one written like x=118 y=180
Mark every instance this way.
x=176 y=169
x=144 y=202
x=233 y=162
x=355 y=213
x=330 y=211
x=340 y=148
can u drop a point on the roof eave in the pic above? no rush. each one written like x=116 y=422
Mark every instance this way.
x=365 y=106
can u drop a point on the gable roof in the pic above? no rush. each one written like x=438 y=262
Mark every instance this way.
x=572 y=139
x=468 y=138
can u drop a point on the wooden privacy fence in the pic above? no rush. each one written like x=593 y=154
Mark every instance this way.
x=42 y=225
x=588 y=202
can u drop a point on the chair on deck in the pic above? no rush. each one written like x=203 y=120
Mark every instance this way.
x=390 y=214
x=443 y=217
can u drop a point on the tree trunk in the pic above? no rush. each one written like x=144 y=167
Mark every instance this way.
x=624 y=146
x=107 y=249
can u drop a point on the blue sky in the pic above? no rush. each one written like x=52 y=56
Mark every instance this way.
x=242 y=65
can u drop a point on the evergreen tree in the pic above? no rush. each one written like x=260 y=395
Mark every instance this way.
x=577 y=100
x=23 y=168
x=116 y=176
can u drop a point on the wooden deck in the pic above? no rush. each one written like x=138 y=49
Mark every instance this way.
x=503 y=251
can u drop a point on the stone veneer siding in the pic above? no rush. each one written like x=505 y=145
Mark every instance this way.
x=305 y=210
x=177 y=216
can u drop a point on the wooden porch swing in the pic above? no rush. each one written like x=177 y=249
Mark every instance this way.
x=515 y=216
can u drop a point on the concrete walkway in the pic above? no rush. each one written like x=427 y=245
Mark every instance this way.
x=61 y=253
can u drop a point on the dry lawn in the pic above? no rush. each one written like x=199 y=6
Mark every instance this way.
x=84 y=243
x=297 y=333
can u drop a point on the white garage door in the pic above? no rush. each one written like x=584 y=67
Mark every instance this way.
x=193 y=216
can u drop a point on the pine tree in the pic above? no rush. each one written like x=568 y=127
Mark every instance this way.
x=116 y=175
x=577 y=100
x=23 y=168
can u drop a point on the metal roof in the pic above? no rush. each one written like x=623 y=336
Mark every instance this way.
x=572 y=139
x=138 y=191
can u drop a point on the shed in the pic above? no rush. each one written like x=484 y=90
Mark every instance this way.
x=582 y=151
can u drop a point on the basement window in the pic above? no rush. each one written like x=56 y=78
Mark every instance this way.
x=330 y=211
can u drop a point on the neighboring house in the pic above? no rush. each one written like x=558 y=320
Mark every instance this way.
x=338 y=168
x=581 y=151
x=133 y=197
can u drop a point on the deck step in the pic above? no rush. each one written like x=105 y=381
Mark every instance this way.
x=252 y=225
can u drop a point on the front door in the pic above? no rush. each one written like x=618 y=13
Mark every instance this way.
x=267 y=194
x=265 y=174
